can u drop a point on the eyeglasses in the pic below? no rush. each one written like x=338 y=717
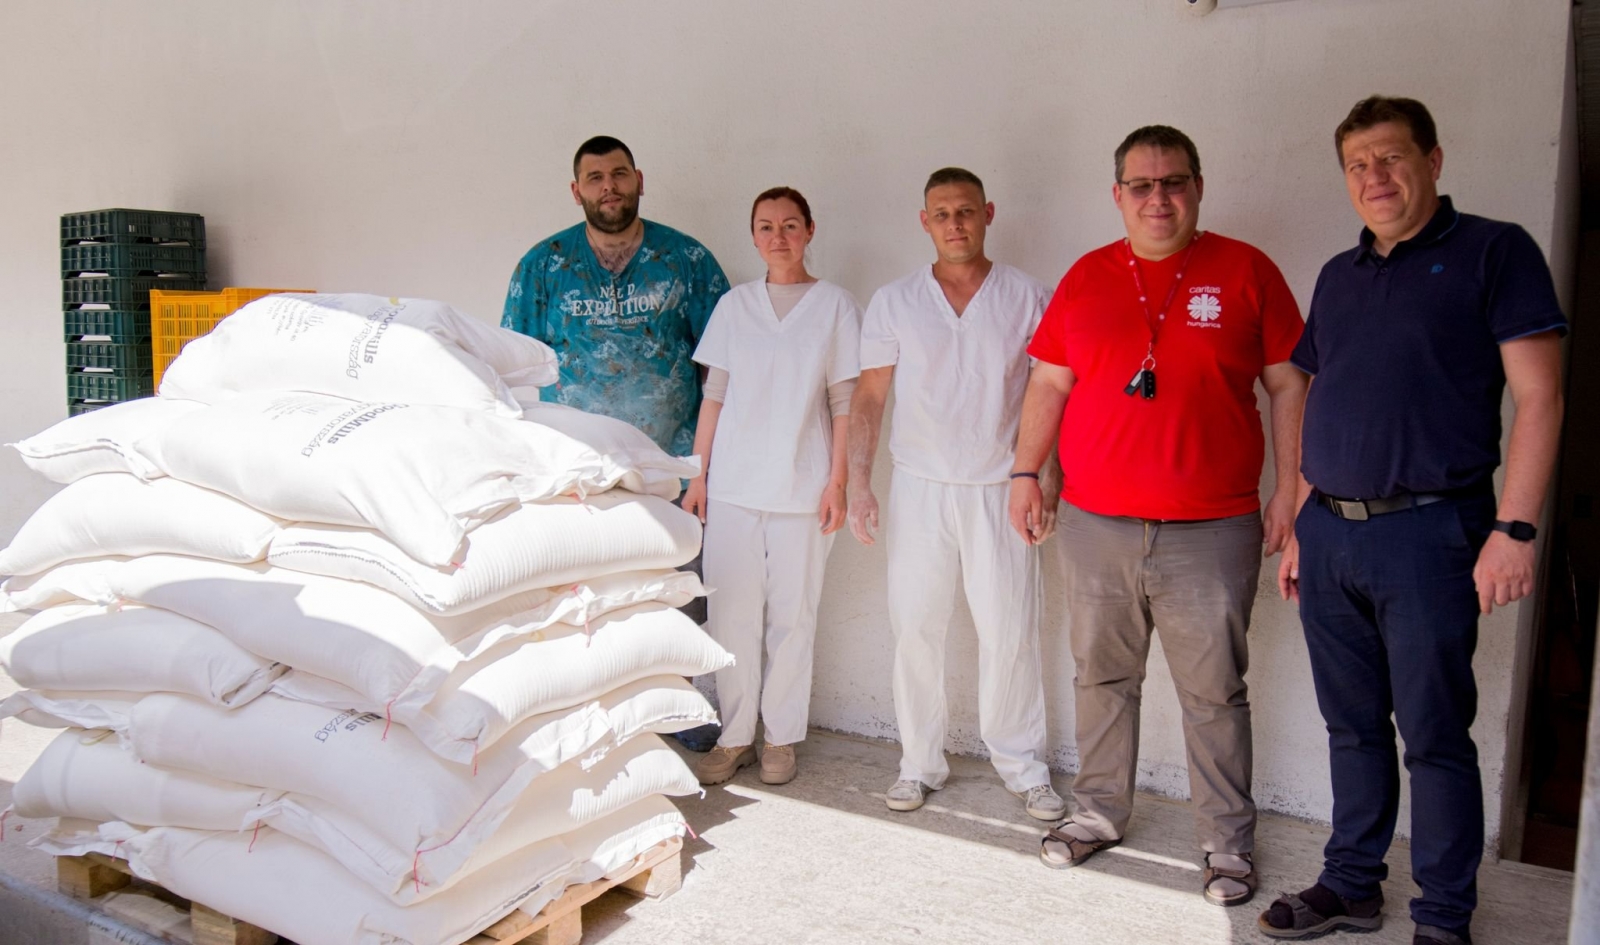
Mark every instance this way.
x=1142 y=187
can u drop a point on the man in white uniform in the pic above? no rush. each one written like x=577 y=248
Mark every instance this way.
x=957 y=333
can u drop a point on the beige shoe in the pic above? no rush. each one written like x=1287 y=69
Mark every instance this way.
x=777 y=764
x=721 y=763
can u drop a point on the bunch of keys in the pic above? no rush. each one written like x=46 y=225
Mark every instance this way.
x=1143 y=383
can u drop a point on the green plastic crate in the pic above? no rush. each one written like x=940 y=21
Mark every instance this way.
x=121 y=293
x=133 y=226
x=122 y=326
x=132 y=259
x=122 y=360
x=94 y=385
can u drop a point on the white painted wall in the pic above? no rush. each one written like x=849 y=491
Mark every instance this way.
x=409 y=147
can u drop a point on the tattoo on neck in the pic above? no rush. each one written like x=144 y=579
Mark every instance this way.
x=616 y=258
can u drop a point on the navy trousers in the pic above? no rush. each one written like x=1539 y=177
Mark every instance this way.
x=1391 y=622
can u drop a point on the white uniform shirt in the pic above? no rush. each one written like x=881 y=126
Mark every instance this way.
x=773 y=449
x=958 y=381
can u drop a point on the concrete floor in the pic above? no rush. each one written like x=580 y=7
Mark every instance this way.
x=822 y=860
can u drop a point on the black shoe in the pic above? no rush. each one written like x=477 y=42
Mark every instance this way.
x=1433 y=935
x=701 y=738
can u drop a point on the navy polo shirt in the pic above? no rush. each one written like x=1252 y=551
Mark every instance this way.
x=1406 y=355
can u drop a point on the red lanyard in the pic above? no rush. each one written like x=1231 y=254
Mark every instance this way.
x=1153 y=321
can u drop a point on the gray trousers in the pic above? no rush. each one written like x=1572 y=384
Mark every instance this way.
x=1194 y=583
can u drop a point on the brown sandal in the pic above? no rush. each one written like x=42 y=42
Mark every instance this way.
x=1213 y=873
x=1078 y=850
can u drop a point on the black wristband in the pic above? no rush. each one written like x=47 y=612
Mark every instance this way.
x=1519 y=531
x=1025 y=475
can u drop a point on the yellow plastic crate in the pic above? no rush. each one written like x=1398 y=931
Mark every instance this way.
x=177 y=318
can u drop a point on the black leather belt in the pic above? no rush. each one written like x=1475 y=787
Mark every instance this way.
x=1359 y=510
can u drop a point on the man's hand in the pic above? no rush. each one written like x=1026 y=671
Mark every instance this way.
x=1504 y=572
x=694 y=498
x=1047 y=523
x=1289 y=569
x=863 y=514
x=1028 y=516
x=1277 y=521
x=831 y=511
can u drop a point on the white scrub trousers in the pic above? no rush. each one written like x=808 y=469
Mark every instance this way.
x=940 y=536
x=764 y=570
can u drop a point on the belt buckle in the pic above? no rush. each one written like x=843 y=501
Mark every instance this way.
x=1352 y=511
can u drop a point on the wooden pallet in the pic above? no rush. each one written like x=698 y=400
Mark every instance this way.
x=94 y=874
x=654 y=874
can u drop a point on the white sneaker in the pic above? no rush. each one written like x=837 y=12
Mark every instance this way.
x=906 y=795
x=1042 y=802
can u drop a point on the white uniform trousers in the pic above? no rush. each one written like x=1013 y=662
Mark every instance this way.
x=764 y=570
x=940 y=535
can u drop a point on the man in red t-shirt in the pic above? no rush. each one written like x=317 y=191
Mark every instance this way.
x=1159 y=340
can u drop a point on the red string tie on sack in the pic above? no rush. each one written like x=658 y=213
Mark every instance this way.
x=692 y=834
x=253 y=835
x=388 y=719
x=115 y=847
x=416 y=875
x=474 y=759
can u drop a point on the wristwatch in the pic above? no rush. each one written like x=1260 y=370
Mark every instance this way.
x=1519 y=531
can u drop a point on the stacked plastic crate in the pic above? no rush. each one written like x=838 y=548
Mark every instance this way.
x=110 y=260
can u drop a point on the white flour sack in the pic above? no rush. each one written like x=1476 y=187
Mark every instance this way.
x=101 y=440
x=45 y=708
x=401 y=792
x=361 y=347
x=622 y=441
x=421 y=475
x=391 y=783
x=659 y=704
x=487 y=695
x=87 y=775
x=121 y=514
x=559 y=802
x=610 y=844
x=391 y=654
x=552 y=544
x=133 y=649
x=274 y=881
x=357 y=635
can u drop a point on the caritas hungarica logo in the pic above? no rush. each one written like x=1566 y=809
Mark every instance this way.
x=1204 y=310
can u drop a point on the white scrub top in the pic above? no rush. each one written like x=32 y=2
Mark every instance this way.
x=958 y=380
x=773 y=449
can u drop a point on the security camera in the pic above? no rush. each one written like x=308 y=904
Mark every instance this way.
x=1198 y=7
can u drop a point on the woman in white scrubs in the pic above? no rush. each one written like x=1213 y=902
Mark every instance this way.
x=781 y=359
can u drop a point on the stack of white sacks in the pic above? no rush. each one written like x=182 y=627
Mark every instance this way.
x=351 y=637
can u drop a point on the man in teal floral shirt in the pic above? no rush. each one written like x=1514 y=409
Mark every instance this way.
x=623 y=302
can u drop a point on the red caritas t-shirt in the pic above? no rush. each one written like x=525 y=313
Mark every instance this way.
x=1195 y=451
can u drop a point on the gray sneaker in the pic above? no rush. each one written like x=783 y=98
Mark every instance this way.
x=906 y=795
x=1042 y=802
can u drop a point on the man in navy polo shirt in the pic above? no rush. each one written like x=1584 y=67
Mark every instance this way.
x=1412 y=339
